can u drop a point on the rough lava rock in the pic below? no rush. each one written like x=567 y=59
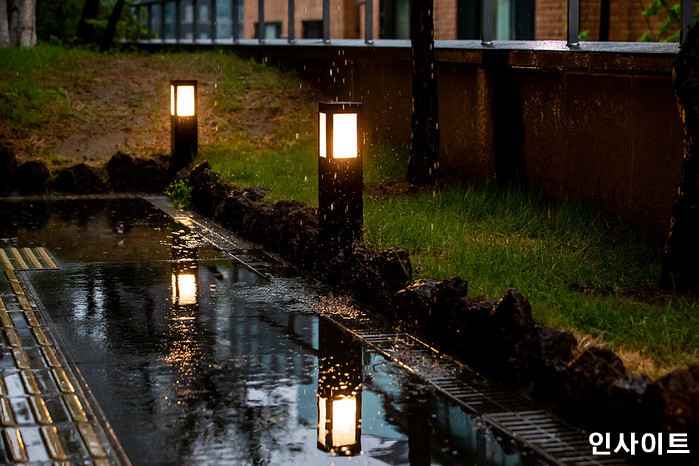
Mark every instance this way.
x=79 y=179
x=8 y=169
x=209 y=193
x=33 y=177
x=673 y=402
x=589 y=379
x=511 y=318
x=152 y=173
x=121 y=172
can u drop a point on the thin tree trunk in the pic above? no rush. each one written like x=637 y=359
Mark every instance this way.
x=681 y=254
x=27 y=18
x=4 y=25
x=108 y=38
x=424 y=146
x=13 y=20
x=85 y=29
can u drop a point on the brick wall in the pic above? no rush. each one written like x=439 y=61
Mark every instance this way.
x=626 y=23
x=347 y=18
x=445 y=20
x=344 y=16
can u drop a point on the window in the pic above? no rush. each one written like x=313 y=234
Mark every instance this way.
x=272 y=30
x=512 y=19
x=313 y=29
x=394 y=17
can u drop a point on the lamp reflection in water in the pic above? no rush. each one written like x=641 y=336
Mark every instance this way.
x=339 y=391
x=184 y=272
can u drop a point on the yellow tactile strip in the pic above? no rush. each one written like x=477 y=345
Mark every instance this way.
x=26 y=258
x=40 y=383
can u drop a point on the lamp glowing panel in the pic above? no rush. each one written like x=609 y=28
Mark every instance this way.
x=344 y=422
x=345 y=135
x=322 y=420
x=185 y=101
x=323 y=133
x=184 y=289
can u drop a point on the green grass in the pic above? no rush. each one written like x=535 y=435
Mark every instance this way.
x=579 y=271
x=29 y=97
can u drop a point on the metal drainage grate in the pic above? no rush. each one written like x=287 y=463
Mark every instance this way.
x=502 y=410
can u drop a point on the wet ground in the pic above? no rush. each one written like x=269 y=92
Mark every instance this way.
x=194 y=358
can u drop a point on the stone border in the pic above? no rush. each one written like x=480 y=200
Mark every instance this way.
x=501 y=339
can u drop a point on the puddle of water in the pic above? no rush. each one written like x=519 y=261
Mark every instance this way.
x=195 y=360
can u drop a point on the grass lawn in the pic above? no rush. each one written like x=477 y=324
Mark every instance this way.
x=257 y=127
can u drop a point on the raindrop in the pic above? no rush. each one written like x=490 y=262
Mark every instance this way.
x=297 y=135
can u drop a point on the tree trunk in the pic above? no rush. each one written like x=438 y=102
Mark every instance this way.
x=13 y=20
x=86 y=30
x=22 y=22
x=681 y=254
x=424 y=146
x=108 y=38
x=27 y=19
x=4 y=25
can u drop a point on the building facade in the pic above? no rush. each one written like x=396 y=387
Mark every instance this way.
x=454 y=19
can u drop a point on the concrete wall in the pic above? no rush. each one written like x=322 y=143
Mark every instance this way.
x=599 y=123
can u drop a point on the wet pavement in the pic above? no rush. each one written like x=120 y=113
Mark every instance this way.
x=187 y=356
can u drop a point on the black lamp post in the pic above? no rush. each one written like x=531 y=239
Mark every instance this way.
x=183 y=118
x=340 y=178
x=339 y=391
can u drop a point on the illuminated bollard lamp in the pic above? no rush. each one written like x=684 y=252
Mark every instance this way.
x=340 y=210
x=183 y=122
x=339 y=391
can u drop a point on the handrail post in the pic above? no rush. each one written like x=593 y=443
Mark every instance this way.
x=292 y=22
x=195 y=20
x=326 y=21
x=138 y=22
x=261 y=21
x=213 y=17
x=149 y=21
x=178 y=26
x=162 y=21
x=369 y=21
x=573 y=23
x=235 y=28
x=487 y=22
x=687 y=18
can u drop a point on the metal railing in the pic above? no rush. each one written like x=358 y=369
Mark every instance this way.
x=160 y=6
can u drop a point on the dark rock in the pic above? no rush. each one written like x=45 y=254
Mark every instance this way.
x=182 y=174
x=589 y=380
x=33 y=177
x=413 y=303
x=556 y=345
x=152 y=174
x=673 y=402
x=8 y=169
x=239 y=211
x=625 y=398
x=121 y=172
x=79 y=179
x=431 y=305
x=511 y=318
x=254 y=194
x=450 y=294
x=208 y=191
x=197 y=171
x=390 y=270
x=555 y=352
